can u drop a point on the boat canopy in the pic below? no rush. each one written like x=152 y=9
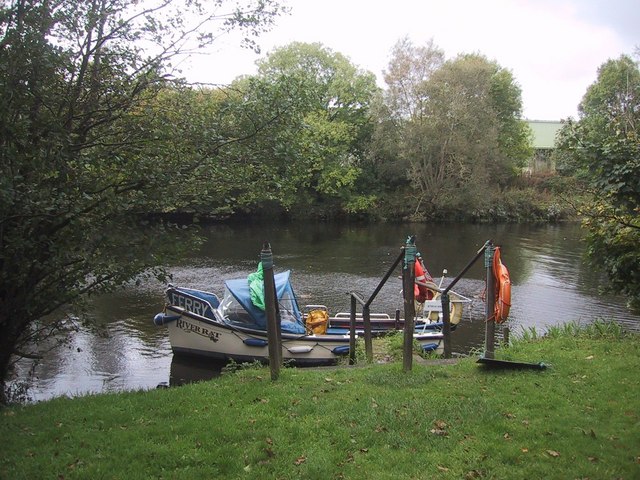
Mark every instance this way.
x=238 y=309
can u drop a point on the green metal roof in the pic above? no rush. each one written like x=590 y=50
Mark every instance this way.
x=544 y=133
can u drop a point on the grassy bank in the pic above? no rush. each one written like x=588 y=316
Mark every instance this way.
x=580 y=418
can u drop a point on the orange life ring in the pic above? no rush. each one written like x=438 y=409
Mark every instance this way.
x=421 y=292
x=503 y=288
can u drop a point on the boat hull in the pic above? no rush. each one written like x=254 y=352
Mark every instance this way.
x=193 y=335
x=190 y=334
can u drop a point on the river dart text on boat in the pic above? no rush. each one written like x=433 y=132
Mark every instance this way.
x=190 y=327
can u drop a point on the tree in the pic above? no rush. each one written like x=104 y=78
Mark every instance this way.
x=78 y=157
x=603 y=148
x=288 y=139
x=400 y=108
x=459 y=127
x=409 y=70
x=222 y=139
x=321 y=150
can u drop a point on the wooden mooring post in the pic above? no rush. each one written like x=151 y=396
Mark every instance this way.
x=490 y=324
x=271 y=310
x=408 y=281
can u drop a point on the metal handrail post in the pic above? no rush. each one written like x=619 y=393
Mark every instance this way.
x=355 y=299
x=352 y=331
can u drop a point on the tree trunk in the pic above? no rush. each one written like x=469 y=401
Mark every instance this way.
x=7 y=345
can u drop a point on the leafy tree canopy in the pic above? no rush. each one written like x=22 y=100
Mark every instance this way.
x=79 y=154
x=603 y=147
x=330 y=103
x=457 y=125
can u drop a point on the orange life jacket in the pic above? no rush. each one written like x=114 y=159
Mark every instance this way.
x=421 y=292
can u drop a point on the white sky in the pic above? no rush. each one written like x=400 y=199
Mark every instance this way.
x=552 y=47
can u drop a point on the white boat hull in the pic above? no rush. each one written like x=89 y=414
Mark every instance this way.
x=194 y=335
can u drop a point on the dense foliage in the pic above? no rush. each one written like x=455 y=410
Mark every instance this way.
x=603 y=149
x=456 y=128
x=78 y=152
x=326 y=144
x=330 y=144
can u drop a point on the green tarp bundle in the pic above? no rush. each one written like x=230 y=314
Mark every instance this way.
x=256 y=287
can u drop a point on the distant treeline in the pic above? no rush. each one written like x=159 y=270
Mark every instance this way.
x=312 y=136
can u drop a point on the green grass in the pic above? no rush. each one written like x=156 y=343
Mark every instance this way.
x=578 y=419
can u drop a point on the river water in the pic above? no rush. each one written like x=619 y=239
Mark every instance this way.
x=118 y=348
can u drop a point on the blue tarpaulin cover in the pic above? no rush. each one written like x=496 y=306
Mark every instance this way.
x=291 y=318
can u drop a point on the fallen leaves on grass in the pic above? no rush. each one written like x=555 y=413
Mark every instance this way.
x=300 y=460
x=553 y=453
x=440 y=428
x=473 y=474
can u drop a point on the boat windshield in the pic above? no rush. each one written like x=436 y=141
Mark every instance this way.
x=288 y=307
x=236 y=307
x=234 y=312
